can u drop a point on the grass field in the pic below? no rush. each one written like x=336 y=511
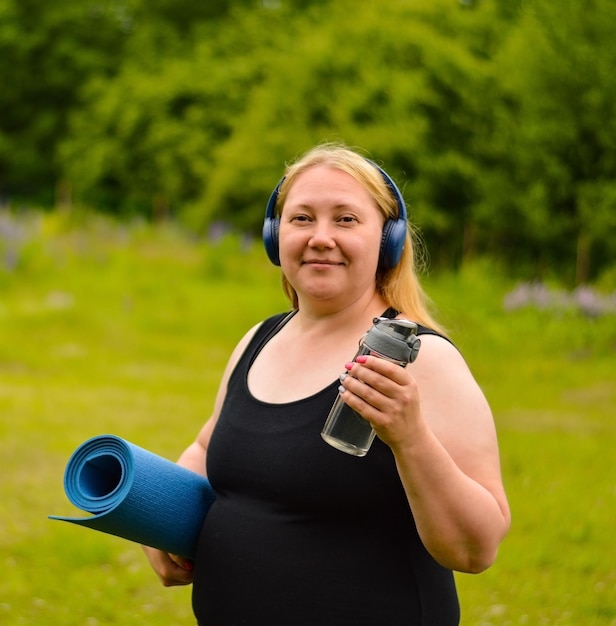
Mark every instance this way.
x=114 y=329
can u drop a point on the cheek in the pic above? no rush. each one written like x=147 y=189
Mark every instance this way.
x=290 y=243
x=370 y=250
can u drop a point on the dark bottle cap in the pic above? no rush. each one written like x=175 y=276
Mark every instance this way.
x=394 y=339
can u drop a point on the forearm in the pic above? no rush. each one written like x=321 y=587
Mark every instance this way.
x=193 y=458
x=460 y=521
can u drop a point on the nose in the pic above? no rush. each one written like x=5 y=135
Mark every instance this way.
x=322 y=235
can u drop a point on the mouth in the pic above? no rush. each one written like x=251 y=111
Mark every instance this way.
x=321 y=262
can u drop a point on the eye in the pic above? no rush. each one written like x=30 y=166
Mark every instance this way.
x=299 y=218
x=347 y=219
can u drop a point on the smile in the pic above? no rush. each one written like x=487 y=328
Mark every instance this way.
x=321 y=262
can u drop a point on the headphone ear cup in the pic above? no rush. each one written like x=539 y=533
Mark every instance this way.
x=394 y=230
x=392 y=242
x=271 y=226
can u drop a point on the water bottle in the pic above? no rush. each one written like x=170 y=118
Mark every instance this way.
x=392 y=339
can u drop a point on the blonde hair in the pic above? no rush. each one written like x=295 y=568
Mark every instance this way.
x=399 y=286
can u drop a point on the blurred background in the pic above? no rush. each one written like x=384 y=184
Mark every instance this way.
x=497 y=117
x=139 y=142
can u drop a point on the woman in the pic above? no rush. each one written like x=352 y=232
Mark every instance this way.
x=302 y=533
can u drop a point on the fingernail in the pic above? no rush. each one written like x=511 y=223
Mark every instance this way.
x=362 y=358
x=341 y=389
x=349 y=365
x=343 y=376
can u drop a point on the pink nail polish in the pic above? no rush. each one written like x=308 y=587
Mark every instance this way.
x=362 y=358
x=348 y=365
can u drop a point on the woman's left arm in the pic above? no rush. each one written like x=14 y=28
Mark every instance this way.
x=437 y=422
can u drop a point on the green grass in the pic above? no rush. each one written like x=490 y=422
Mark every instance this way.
x=118 y=329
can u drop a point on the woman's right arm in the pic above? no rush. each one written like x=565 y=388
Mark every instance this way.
x=173 y=570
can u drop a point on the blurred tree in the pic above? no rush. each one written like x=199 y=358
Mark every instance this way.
x=497 y=122
x=558 y=151
x=145 y=142
x=54 y=54
x=412 y=86
x=47 y=52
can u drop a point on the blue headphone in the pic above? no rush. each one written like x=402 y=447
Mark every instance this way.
x=394 y=230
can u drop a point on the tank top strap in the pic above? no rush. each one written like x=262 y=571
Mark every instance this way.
x=390 y=313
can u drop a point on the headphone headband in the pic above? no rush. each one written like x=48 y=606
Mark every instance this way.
x=394 y=230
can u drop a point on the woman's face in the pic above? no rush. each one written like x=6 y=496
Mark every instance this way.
x=330 y=235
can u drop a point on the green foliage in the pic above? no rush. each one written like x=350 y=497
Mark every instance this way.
x=47 y=51
x=561 y=139
x=109 y=327
x=402 y=101
x=495 y=117
x=157 y=127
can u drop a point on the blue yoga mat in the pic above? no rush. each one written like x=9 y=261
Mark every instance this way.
x=136 y=495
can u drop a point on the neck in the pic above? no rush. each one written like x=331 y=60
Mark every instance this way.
x=326 y=314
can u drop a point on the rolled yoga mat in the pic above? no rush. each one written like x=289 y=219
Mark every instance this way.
x=136 y=495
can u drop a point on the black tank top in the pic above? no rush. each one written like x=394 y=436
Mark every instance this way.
x=302 y=534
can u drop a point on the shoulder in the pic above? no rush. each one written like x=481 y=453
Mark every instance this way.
x=444 y=378
x=441 y=361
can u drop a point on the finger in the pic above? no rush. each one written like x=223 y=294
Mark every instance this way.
x=382 y=366
x=374 y=380
x=361 y=397
x=169 y=572
x=173 y=574
x=186 y=564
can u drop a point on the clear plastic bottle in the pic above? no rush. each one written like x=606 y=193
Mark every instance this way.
x=392 y=339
